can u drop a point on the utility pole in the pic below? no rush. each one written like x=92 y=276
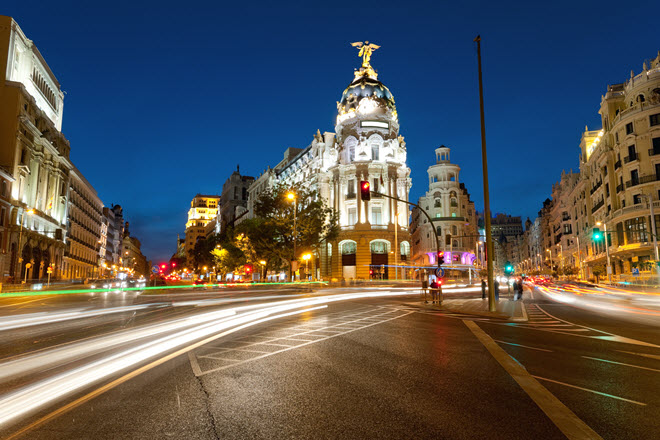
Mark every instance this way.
x=489 y=239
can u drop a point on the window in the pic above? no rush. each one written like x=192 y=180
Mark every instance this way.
x=352 y=216
x=378 y=247
x=654 y=119
x=351 y=189
x=632 y=152
x=656 y=146
x=637 y=199
x=438 y=203
x=438 y=230
x=636 y=230
x=376 y=215
x=348 y=248
x=616 y=137
x=634 y=177
x=375 y=151
x=629 y=128
x=607 y=189
x=351 y=153
x=3 y=213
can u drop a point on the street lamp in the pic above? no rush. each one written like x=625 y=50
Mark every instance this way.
x=263 y=268
x=20 y=240
x=653 y=231
x=307 y=257
x=607 y=251
x=561 y=255
x=551 y=266
x=292 y=196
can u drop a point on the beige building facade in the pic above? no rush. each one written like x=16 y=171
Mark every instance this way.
x=201 y=221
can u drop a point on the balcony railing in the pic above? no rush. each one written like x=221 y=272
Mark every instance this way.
x=632 y=183
x=648 y=179
x=632 y=157
x=598 y=206
x=596 y=186
x=654 y=151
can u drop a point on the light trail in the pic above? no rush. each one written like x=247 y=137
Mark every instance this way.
x=34 y=396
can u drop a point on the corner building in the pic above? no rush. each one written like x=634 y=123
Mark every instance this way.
x=366 y=146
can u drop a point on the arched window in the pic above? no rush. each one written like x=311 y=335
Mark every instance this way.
x=454 y=230
x=379 y=247
x=348 y=247
x=438 y=230
x=640 y=98
x=438 y=203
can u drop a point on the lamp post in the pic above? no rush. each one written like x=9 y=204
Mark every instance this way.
x=551 y=266
x=607 y=251
x=19 y=258
x=561 y=256
x=579 y=255
x=653 y=229
x=263 y=269
x=292 y=196
x=307 y=257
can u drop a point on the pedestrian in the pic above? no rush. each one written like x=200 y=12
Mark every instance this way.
x=483 y=289
x=521 y=289
x=497 y=290
x=434 y=290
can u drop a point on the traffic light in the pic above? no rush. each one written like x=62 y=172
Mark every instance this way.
x=365 y=190
x=441 y=257
x=248 y=268
x=596 y=234
x=508 y=268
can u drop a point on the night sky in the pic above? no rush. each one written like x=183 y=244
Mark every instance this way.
x=164 y=100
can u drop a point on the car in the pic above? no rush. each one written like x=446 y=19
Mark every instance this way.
x=198 y=282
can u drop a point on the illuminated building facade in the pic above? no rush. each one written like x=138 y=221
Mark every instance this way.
x=84 y=218
x=234 y=197
x=132 y=257
x=448 y=203
x=35 y=153
x=366 y=146
x=619 y=175
x=203 y=210
x=6 y=179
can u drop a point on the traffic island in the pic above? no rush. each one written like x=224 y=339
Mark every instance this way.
x=507 y=309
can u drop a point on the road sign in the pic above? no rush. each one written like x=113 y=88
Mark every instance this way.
x=154 y=269
x=439 y=272
x=635 y=271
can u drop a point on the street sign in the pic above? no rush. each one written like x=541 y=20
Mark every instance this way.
x=154 y=269
x=635 y=271
x=439 y=272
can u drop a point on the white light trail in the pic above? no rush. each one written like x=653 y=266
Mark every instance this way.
x=35 y=396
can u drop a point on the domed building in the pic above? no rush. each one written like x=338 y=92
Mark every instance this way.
x=366 y=146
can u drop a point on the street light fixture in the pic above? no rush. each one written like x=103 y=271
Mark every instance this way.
x=607 y=251
x=551 y=266
x=292 y=196
x=307 y=257
x=19 y=251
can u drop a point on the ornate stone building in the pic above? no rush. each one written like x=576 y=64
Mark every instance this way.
x=367 y=146
x=35 y=153
x=234 y=198
x=84 y=217
x=203 y=210
x=454 y=217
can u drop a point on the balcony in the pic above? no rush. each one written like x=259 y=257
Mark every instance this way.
x=619 y=188
x=632 y=183
x=648 y=179
x=631 y=158
x=597 y=206
x=654 y=151
x=617 y=164
x=596 y=186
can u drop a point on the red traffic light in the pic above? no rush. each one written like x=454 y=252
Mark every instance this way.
x=248 y=268
x=441 y=257
x=173 y=264
x=365 y=190
x=163 y=266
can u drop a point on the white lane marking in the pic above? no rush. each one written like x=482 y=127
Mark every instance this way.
x=520 y=345
x=591 y=391
x=565 y=419
x=22 y=302
x=652 y=356
x=621 y=363
x=298 y=346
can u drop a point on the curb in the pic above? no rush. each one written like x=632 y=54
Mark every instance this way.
x=496 y=315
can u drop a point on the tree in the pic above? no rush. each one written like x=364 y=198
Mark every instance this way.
x=273 y=236
x=598 y=271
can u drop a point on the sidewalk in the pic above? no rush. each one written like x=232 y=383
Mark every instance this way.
x=506 y=308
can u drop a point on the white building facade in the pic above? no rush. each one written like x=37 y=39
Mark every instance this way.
x=366 y=147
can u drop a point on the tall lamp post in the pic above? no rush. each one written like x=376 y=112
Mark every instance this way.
x=291 y=196
x=489 y=239
x=653 y=229
x=607 y=251
x=551 y=266
x=19 y=258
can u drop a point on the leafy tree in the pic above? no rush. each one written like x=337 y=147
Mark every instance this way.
x=598 y=271
x=274 y=236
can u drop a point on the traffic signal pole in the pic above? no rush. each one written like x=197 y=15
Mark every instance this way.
x=489 y=238
x=435 y=233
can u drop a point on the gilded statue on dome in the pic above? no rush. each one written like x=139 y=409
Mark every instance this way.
x=365 y=52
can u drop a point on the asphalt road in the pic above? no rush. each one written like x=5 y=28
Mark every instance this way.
x=359 y=368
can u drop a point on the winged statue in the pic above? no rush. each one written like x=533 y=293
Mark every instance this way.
x=366 y=49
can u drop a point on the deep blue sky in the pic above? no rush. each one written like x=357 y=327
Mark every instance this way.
x=164 y=100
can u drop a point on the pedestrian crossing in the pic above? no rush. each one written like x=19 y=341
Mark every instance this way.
x=541 y=320
x=288 y=335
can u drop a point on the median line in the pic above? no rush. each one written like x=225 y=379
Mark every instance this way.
x=565 y=419
x=611 y=396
